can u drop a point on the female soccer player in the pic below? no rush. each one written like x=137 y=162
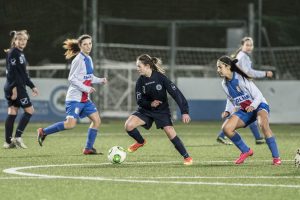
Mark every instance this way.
x=243 y=55
x=243 y=93
x=78 y=103
x=17 y=79
x=151 y=95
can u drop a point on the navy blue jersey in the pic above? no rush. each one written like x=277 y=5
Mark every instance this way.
x=155 y=87
x=16 y=74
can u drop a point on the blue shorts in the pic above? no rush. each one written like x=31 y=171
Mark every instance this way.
x=250 y=117
x=77 y=110
x=161 y=119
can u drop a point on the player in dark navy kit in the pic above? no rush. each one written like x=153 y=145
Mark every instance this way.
x=17 y=79
x=151 y=95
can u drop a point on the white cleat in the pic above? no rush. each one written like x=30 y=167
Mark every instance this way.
x=9 y=146
x=18 y=141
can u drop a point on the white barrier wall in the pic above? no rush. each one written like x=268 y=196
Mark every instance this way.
x=207 y=99
x=49 y=105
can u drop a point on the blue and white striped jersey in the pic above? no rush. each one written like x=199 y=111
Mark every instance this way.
x=241 y=93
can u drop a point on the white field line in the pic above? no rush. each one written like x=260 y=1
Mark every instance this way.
x=16 y=171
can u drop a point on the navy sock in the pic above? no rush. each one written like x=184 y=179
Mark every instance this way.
x=91 y=137
x=9 y=127
x=23 y=123
x=221 y=134
x=180 y=146
x=273 y=146
x=59 y=126
x=255 y=131
x=239 y=143
x=135 y=134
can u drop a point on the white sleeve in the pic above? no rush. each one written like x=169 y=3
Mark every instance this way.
x=96 y=79
x=76 y=75
x=244 y=64
x=255 y=93
x=229 y=106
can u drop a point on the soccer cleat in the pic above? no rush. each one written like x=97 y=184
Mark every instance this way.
x=277 y=161
x=243 y=157
x=297 y=158
x=9 y=145
x=260 y=141
x=188 y=161
x=223 y=141
x=18 y=141
x=40 y=136
x=135 y=146
x=89 y=151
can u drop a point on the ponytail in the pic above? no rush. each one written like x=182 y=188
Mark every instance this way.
x=226 y=60
x=245 y=39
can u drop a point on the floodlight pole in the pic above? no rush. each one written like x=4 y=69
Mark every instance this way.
x=259 y=32
x=95 y=28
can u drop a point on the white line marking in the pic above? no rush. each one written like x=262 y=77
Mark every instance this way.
x=16 y=171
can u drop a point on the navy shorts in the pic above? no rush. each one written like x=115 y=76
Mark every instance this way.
x=22 y=99
x=250 y=117
x=161 y=119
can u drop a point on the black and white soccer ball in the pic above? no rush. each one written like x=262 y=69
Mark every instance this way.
x=116 y=155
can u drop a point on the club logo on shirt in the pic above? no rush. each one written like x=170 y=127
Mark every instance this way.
x=158 y=87
x=144 y=89
x=13 y=61
x=24 y=101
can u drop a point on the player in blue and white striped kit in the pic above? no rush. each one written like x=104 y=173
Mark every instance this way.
x=243 y=96
x=78 y=103
x=243 y=55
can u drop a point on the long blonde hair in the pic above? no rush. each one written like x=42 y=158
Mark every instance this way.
x=72 y=45
x=154 y=63
x=245 y=39
x=15 y=34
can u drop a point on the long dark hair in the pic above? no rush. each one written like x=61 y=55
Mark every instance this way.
x=155 y=63
x=232 y=63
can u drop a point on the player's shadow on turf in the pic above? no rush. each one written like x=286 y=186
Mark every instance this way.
x=203 y=145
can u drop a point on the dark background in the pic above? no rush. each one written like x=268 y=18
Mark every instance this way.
x=51 y=22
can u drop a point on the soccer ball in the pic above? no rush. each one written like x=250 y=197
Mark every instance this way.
x=297 y=158
x=116 y=155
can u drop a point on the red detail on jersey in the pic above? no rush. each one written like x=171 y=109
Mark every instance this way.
x=245 y=104
x=85 y=95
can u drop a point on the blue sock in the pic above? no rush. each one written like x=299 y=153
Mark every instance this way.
x=221 y=134
x=59 y=126
x=91 y=137
x=180 y=147
x=254 y=129
x=239 y=143
x=273 y=146
x=135 y=134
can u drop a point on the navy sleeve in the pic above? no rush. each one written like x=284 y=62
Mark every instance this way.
x=12 y=73
x=28 y=81
x=140 y=98
x=176 y=95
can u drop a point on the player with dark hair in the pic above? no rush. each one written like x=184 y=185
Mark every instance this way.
x=243 y=94
x=17 y=79
x=78 y=103
x=151 y=95
x=243 y=55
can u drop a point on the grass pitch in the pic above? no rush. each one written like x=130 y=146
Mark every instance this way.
x=59 y=170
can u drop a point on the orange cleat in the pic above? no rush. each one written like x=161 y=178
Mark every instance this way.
x=244 y=156
x=135 y=146
x=188 y=161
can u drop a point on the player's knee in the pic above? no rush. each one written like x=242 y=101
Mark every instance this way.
x=96 y=123
x=227 y=129
x=129 y=126
x=69 y=124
